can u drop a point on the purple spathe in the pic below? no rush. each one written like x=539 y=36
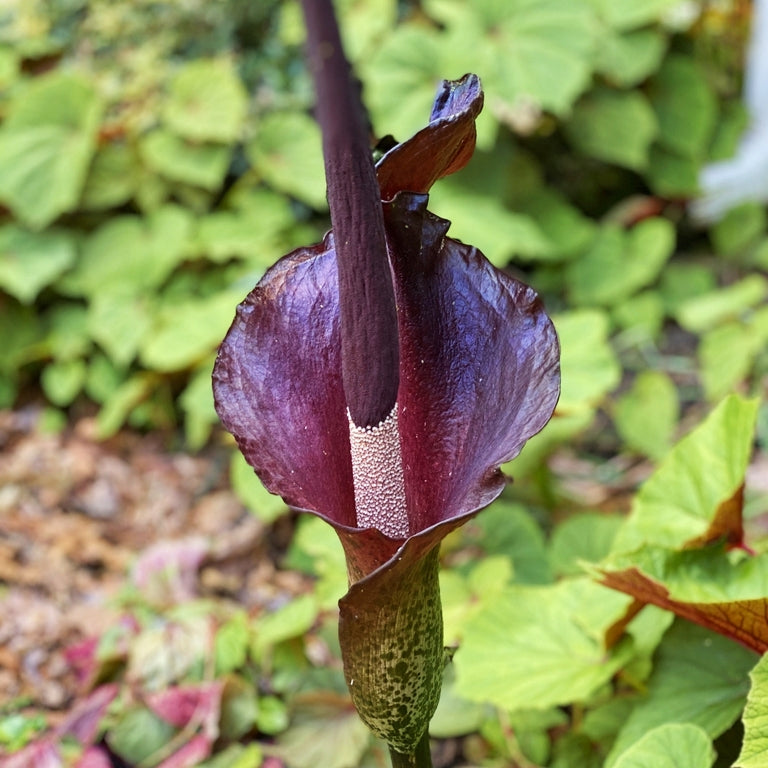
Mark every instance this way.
x=479 y=375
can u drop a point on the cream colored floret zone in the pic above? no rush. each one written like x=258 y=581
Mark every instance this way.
x=377 y=473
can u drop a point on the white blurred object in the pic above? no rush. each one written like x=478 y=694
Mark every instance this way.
x=745 y=176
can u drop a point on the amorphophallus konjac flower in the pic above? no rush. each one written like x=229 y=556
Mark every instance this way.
x=380 y=378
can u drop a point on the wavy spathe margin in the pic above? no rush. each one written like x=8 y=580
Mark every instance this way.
x=479 y=375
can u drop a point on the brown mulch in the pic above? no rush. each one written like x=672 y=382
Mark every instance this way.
x=75 y=514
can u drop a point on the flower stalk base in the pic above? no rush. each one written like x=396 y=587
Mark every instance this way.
x=420 y=758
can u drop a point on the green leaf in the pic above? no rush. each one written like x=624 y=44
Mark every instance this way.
x=733 y=121
x=251 y=491
x=455 y=716
x=705 y=311
x=239 y=708
x=646 y=416
x=464 y=596
x=685 y=106
x=576 y=749
x=402 y=75
x=550 y=40
x=138 y=734
x=614 y=126
x=9 y=66
x=224 y=235
x=231 y=643
x=565 y=231
x=186 y=332
x=508 y=529
x=582 y=537
x=682 y=281
x=104 y=378
x=118 y=322
x=236 y=756
x=316 y=549
x=699 y=678
x=740 y=228
x=112 y=179
x=292 y=620
x=206 y=102
x=31 y=261
x=630 y=14
x=618 y=264
x=131 y=254
x=588 y=365
x=46 y=144
x=537 y=647
x=642 y=315
x=273 y=716
x=724 y=592
x=178 y=159
x=726 y=354
x=488 y=224
x=68 y=336
x=626 y=59
x=684 y=499
x=17 y=730
x=63 y=380
x=120 y=403
x=754 y=751
x=671 y=174
x=670 y=746
x=287 y=152
x=197 y=404
x=325 y=730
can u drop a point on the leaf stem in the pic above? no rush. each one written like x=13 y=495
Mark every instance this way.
x=419 y=758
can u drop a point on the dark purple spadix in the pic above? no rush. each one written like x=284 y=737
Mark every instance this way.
x=369 y=348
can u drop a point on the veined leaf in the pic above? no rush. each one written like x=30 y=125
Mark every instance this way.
x=539 y=52
x=46 y=144
x=626 y=59
x=178 y=159
x=286 y=151
x=685 y=106
x=619 y=263
x=754 y=752
x=30 y=261
x=630 y=14
x=646 y=416
x=698 y=678
x=703 y=586
x=537 y=647
x=707 y=310
x=672 y=745
x=130 y=254
x=589 y=367
x=694 y=496
x=614 y=126
x=207 y=102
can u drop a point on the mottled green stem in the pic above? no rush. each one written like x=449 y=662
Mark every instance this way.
x=391 y=637
x=421 y=758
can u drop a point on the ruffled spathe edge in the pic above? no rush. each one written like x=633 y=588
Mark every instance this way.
x=479 y=375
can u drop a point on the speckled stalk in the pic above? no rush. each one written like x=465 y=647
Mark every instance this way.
x=420 y=758
x=391 y=633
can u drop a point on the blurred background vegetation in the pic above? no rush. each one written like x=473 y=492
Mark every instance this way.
x=156 y=156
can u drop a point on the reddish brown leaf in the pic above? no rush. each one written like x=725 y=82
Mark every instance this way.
x=745 y=621
x=726 y=524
